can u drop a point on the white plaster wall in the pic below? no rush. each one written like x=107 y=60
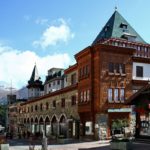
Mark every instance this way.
x=56 y=86
x=146 y=71
x=53 y=87
x=34 y=92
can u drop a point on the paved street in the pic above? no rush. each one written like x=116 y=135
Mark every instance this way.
x=103 y=145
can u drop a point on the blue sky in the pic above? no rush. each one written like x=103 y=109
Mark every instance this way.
x=50 y=32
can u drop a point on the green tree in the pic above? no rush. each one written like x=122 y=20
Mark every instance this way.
x=3 y=109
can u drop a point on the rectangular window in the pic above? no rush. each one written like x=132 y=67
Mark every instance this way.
x=122 y=68
x=58 y=82
x=54 y=104
x=110 y=95
x=28 y=109
x=41 y=107
x=88 y=95
x=31 y=108
x=47 y=105
x=123 y=26
x=63 y=102
x=53 y=83
x=73 y=100
x=139 y=71
x=80 y=72
x=85 y=96
x=81 y=96
x=84 y=70
x=49 y=85
x=36 y=107
x=87 y=69
x=116 y=95
x=117 y=68
x=73 y=79
x=111 y=67
x=122 y=94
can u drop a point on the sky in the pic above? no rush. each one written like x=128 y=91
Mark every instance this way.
x=50 y=32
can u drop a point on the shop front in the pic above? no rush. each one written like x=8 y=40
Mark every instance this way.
x=141 y=103
x=142 y=110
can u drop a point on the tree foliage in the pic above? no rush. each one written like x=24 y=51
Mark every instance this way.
x=3 y=109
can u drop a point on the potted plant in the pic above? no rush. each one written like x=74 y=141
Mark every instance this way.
x=120 y=140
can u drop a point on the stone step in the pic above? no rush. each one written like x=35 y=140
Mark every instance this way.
x=142 y=140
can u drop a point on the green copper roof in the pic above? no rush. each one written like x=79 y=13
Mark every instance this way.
x=118 y=27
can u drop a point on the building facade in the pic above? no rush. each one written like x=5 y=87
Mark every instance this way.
x=54 y=80
x=55 y=113
x=85 y=99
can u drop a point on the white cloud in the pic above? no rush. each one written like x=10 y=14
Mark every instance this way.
x=27 y=17
x=41 y=21
x=55 y=34
x=17 y=66
x=4 y=48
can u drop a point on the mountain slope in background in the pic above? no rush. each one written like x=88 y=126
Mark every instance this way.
x=21 y=94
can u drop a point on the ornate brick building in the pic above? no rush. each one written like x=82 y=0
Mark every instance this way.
x=94 y=91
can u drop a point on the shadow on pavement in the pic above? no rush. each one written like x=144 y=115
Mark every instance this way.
x=141 y=146
x=96 y=148
x=136 y=146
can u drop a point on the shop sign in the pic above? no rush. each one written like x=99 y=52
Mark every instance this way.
x=120 y=110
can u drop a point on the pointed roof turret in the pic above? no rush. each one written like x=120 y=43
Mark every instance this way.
x=34 y=79
x=34 y=75
x=35 y=83
x=118 y=27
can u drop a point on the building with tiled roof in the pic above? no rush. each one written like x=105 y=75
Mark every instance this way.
x=106 y=75
x=118 y=27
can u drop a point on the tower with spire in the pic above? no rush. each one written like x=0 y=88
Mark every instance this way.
x=35 y=85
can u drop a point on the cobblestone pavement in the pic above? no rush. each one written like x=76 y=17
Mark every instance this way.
x=103 y=145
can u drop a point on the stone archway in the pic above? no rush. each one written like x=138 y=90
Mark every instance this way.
x=41 y=125
x=24 y=120
x=54 y=126
x=32 y=126
x=36 y=124
x=28 y=120
x=47 y=126
x=63 y=126
x=28 y=124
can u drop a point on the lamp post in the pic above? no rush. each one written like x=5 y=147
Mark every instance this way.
x=44 y=141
